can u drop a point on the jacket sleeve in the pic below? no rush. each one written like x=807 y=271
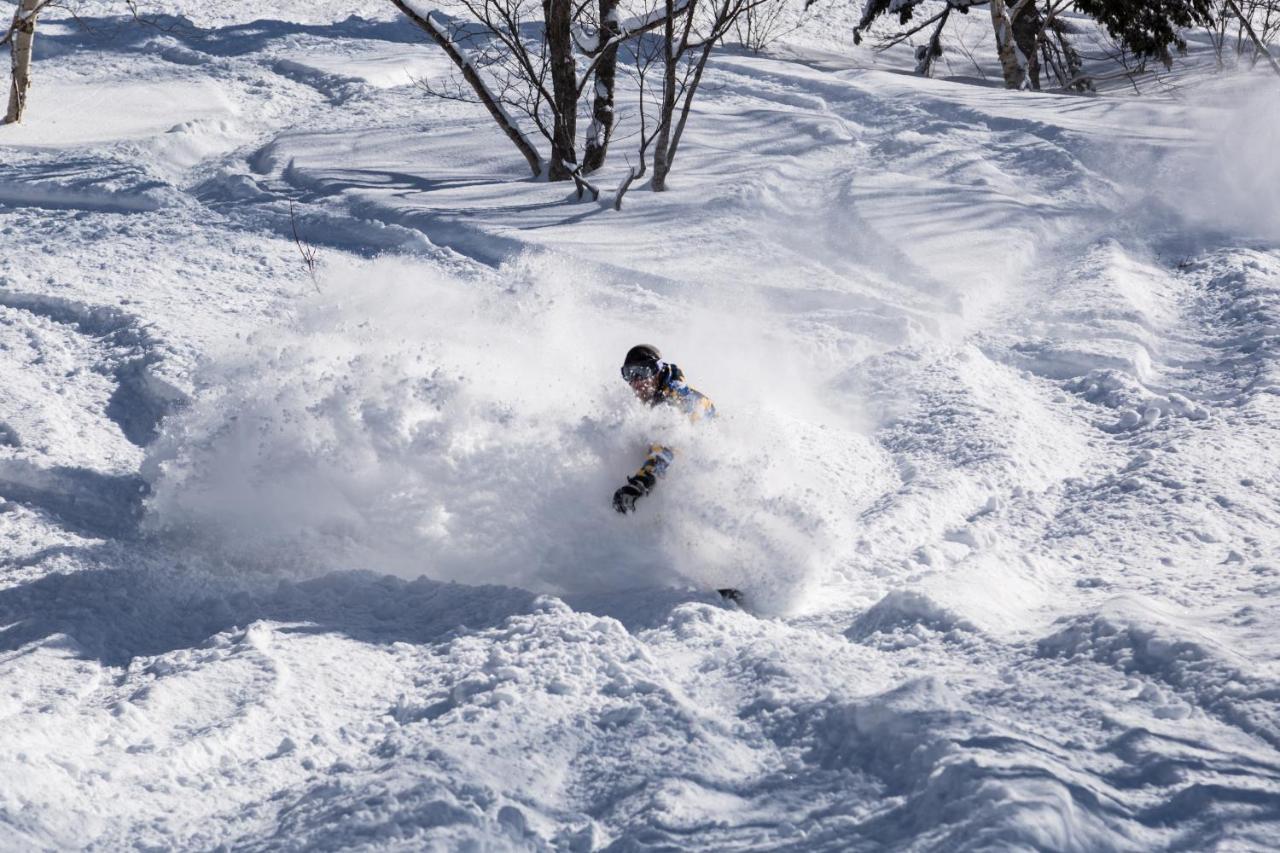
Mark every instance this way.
x=694 y=403
x=655 y=466
x=701 y=406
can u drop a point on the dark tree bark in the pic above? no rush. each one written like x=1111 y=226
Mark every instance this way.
x=670 y=56
x=691 y=88
x=928 y=53
x=1026 y=34
x=558 y=15
x=602 y=104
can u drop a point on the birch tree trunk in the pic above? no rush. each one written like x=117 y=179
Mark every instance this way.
x=602 y=106
x=24 y=33
x=1006 y=47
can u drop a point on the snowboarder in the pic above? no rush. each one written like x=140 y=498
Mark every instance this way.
x=656 y=382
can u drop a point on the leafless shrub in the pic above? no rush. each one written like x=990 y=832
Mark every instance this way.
x=761 y=24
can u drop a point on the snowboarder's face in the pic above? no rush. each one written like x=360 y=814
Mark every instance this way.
x=643 y=379
x=644 y=387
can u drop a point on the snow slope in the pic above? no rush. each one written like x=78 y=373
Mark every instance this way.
x=329 y=565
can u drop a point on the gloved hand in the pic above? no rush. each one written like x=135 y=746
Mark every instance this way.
x=624 y=500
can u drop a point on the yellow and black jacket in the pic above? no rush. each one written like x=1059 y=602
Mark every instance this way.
x=672 y=391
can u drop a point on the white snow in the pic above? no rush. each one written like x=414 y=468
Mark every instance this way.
x=331 y=565
x=83 y=113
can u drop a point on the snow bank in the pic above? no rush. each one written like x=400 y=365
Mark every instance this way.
x=93 y=111
x=473 y=428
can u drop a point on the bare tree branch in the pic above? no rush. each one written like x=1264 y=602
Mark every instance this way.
x=1253 y=36
x=632 y=174
x=460 y=60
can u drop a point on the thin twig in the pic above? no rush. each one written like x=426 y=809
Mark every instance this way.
x=305 y=249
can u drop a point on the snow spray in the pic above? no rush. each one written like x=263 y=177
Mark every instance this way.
x=472 y=427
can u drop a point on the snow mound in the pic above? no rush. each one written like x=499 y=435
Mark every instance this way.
x=1128 y=633
x=911 y=616
x=1138 y=406
x=952 y=779
x=584 y=704
x=88 y=184
x=1138 y=636
x=474 y=429
x=429 y=814
x=340 y=74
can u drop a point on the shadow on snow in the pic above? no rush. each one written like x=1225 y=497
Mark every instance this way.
x=115 y=614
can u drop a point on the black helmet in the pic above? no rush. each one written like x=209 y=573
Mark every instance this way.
x=642 y=361
x=642 y=354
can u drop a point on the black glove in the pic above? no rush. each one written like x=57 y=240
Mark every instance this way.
x=624 y=500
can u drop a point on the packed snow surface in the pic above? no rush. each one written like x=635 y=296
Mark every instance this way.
x=331 y=564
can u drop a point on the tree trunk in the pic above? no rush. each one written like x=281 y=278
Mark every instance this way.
x=24 y=33
x=926 y=54
x=558 y=15
x=1006 y=46
x=690 y=89
x=602 y=107
x=1026 y=35
x=661 y=162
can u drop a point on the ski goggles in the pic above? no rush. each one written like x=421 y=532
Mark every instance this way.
x=634 y=372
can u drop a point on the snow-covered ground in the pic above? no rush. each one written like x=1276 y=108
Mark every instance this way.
x=332 y=565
